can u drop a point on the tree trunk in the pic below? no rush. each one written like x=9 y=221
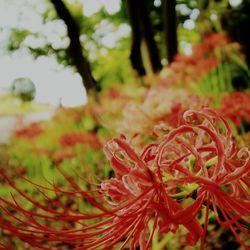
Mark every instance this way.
x=170 y=28
x=148 y=34
x=142 y=30
x=75 y=49
x=135 y=54
x=236 y=22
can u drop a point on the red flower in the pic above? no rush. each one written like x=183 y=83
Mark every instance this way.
x=210 y=43
x=31 y=131
x=221 y=171
x=137 y=195
x=196 y=162
x=236 y=107
x=73 y=138
x=59 y=156
x=189 y=69
x=114 y=93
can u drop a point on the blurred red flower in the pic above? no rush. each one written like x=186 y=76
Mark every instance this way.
x=29 y=132
x=236 y=107
x=71 y=139
x=62 y=155
x=188 y=69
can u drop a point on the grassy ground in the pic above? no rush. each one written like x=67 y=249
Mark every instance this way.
x=10 y=105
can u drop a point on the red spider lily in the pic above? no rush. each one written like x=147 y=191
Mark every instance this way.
x=31 y=131
x=136 y=196
x=210 y=43
x=197 y=161
x=246 y=138
x=60 y=156
x=156 y=110
x=220 y=170
x=73 y=138
x=236 y=107
x=203 y=59
x=114 y=93
x=185 y=69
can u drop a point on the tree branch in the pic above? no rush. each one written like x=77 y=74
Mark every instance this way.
x=75 y=49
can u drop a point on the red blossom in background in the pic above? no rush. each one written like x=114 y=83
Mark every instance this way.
x=114 y=93
x=236 y=107
x=62 y=155
x=185 y=69
x=73 y=138
x=202 y=60
x=210 y=43
x=29 y=132
x=160 y=106
x=197 y=161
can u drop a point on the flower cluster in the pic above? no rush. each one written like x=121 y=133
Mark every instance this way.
x=206 y=60
x=159 y=106
x=62 y=155
x=210 y=43
x=202 y=60
x=236 y=107
x=29 y=132
x=73 y=138
x=194 y=167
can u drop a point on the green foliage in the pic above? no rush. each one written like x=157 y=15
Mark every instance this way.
x=16 y=38
x=90 y=42
x=11 y=105
x=113 y=68
x=42 y=155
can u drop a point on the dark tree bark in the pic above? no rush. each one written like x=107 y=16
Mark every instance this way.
x=237 y=22
x=75 y=49
x=170 y=28
x=148 y=35
x=135 y=55
x=142 y=30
